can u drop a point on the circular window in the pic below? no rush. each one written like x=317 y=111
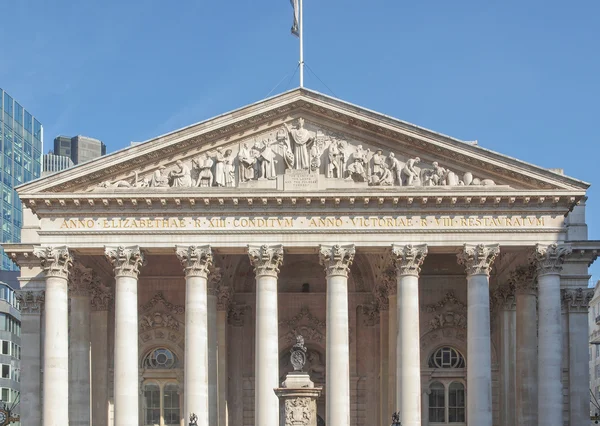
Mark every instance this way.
x=160 y=358
x=446 y=357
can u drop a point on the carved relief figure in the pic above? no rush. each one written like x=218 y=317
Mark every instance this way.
x=181 y=178
x=337 y=160
x=396 y=167
x=158 y=180
x=224 y=169
x=301 y=139
x=410 y=171
x=266 y=160
x=356 y=171
x=247 y=161
x=204 y=166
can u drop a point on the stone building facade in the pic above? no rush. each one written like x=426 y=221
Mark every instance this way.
x=427 y=276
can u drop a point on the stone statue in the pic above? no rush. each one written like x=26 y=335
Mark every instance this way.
x=337 y=160
x=316 y=368
x=356 y=171
x=158 y=179
x=302 y=139
x=298 y=354
x=204 y=166
x=410 y=172
x=247 y=161
x=181 y=178
x=396 y=167
x=266 y=160
x=224 y=169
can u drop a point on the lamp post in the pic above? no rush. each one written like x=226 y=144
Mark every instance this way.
x=193 y=420
x=396 y=419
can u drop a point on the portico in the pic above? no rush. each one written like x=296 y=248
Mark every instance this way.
x=400 y=274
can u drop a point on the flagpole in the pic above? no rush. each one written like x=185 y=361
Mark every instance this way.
x=301 y=45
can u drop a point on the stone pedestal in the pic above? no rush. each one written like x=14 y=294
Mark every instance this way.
x=298 y=400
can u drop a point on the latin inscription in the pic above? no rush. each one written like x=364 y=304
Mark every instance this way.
x=308 y=222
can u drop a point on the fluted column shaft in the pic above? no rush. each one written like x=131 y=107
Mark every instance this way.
x=79 y=346
x=266 y=261
x=478 y=262
x=408 y=260
x=56 y=262
x=337 y=260
x=101 y=298
x=550 y=399
x=126 y=262
x=526 y=360
x=196 y=262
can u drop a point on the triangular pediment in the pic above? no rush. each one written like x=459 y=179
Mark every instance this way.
x=301 y=141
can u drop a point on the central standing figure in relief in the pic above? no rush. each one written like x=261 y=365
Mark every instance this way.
x=301 y=139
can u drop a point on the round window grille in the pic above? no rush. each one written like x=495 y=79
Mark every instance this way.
x=160 y=358
x=446 y=357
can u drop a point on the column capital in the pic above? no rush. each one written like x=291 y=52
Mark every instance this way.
x=524 y=279
x=577 y=299
x=266 y=259
x=549 y=259
x=30 y=301
x=196 y=260
x=337 y=259
x=478 y=259
x=101 y=294
x=504 y=297
x=126 y=261
x=55 y=261
x=214 y=280
x=79 y=280
x=408 y=258
x=223 y=298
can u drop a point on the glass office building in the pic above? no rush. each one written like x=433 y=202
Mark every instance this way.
x=21 y=138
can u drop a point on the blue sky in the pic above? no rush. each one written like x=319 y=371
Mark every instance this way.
x=521 y=77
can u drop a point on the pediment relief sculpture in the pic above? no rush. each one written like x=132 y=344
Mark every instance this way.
x=295 y=151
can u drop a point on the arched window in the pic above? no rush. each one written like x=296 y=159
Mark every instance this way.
x=151 y=404
x=456 y=403
x=171 y=404
x=446 y=357
x=437 y=403
x=161 y=358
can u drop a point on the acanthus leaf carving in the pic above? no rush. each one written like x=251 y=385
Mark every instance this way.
x=236 y=314
x=549 y=259
x=160 y=298
x=577 y=299
x=80 y=279
x=478 y=259
x=101 y=295
x=523 y=278
x=504 y=297
x=126 y=261
x=266 y=259
x=448 y=312
x=408 y=258
x=30 y=301
x=55 y=261
x=337 y=258
x=196 y=260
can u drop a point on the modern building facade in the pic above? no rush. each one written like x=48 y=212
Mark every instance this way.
x=21 y=136
x=55 y=163
x=426 y=275
x=79 y=148
x=10 y=347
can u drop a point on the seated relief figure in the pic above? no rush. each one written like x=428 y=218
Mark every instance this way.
x=181 y=178
x=158 y=179
x=203 y=164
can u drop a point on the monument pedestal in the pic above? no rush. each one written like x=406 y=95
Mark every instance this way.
x=298 y=400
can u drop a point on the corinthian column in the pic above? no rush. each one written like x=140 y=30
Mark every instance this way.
x=196 y=262
x=266 y=261
x=126 y=262
x=79 y=346
x=526 y=363
x=213 y=402
x=31 y=303
x=101 y=298
x=337 y=260
x=56 y=262
x=549 y=260
x=408 y=260
x=223 y=299
x=478 y=262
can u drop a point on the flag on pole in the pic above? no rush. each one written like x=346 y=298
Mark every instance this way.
x=295 y=27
